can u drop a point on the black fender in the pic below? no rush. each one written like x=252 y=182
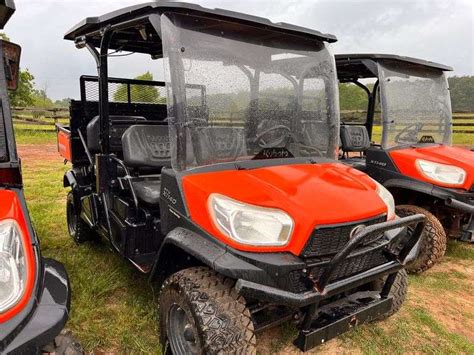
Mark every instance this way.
x=69 y=179
x=182 y=242
x=46 y=318
x=183 y=248
x=419 y=186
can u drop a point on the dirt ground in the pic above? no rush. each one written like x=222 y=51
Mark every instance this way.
x=38 y=152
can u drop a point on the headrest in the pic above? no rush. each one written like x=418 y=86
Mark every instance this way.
x=218 y=144
x=354 y=138
x=146 y=146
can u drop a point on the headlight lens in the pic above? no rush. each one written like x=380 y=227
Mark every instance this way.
x=12 y=265
x=248 y=224
x=447 y=174
x=387 y=198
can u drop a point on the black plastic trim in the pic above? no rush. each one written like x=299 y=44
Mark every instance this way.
x=348 y=58
x=50 y=314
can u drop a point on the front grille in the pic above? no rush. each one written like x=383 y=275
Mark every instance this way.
x=330 y=240
x=355 y=264
x=325 y=242
x=358 y=262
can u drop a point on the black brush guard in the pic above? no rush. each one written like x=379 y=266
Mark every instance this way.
x=321 y=324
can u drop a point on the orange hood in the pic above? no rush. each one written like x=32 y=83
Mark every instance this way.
x=312 y=195
x=463 y=158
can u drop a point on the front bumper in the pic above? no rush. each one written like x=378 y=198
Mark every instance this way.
x=323 y=288
x=29 y=333
x=321 y=323
x=467 y=232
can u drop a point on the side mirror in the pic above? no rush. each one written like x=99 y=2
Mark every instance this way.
x=11 y=61
x=7 y=8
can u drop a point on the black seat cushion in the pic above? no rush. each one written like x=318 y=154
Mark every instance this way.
x=147 y=146
x=147 y=191
x=214 y=144
x=354 y=138
x=119 y=125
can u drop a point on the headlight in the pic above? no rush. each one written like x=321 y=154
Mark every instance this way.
x=12 y=265
x=387 y=198
x=248 y=224
x=447 y=174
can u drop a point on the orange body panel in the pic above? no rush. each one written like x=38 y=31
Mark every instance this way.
x=64 y=145
x=313 y=195
x=10 y=208
x=405 y=160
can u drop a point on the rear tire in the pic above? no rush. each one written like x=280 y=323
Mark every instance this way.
x=79 y=231
x=201 y=312
x=433 y=240
x=398 y=292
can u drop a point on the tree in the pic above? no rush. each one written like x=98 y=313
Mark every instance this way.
x=24 y=94
x=352 y=97
x=462 y=93
x=41 y=99
x=138 y=93
x=63 y=102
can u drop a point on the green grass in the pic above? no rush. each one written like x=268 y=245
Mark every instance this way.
x=30 y=136
x=114 y=307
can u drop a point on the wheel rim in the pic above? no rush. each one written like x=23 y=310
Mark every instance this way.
x=182 y=333
x=71 y=219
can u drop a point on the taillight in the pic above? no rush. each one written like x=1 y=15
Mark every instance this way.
x=17 y=265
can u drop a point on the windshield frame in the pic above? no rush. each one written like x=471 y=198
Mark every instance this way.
x=384 y=68
x=177 y=87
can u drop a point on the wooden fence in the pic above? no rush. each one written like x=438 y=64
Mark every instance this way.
x=463 y=123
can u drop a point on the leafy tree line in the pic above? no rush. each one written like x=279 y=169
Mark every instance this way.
x=26 y=95
x=462 y=93
x=461 y=89
x=351 y=97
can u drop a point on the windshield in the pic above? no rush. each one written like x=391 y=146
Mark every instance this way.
x=416 y=105
x=240 y=93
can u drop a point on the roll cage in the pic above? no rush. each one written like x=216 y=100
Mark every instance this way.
x=352 y=68
x=137 y=29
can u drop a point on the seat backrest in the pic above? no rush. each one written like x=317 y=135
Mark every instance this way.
x=214 y=144
x=354 y=138
x=146 y=146
x=119 y=125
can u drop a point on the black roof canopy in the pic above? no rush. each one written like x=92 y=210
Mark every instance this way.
x=362 y=65
x=131 y=39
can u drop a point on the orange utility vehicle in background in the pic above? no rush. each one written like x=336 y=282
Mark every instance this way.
x=221 y=183
x=415 y=159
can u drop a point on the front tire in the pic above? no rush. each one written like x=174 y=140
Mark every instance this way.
x=398 y=292
x=433 y=240
x=201 y=312
x=79 y=231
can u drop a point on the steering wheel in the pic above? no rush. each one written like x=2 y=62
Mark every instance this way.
x=286 y=132
x=409 y=134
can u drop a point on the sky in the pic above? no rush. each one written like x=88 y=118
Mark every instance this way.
x=436 y=30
